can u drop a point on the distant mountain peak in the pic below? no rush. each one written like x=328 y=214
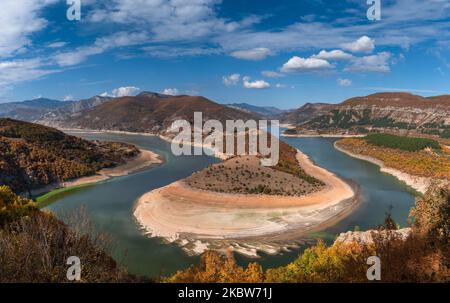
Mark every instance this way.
x=153 y=95
x=263 y=111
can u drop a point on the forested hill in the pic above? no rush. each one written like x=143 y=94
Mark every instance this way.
x=32 y=155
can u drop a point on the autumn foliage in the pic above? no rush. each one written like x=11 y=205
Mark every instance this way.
x=422 y=163
x=32 y=156
x=423 y=257
x=35 y=246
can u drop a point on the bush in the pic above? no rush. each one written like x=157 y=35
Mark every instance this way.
x=13 y=206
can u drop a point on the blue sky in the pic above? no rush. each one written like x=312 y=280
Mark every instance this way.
x=281 y=53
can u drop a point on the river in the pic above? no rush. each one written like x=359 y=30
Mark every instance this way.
x=110 y=204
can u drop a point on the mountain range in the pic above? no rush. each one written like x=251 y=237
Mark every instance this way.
x=402 y=113
x=30 y=110
x=266 y=112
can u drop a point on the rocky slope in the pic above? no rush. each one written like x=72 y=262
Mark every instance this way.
x=71 y=109
x=369 y=237
x=388 y=112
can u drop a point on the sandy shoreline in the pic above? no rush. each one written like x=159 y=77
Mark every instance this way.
x=419 y=184
x=184 y=215
x=144 y=160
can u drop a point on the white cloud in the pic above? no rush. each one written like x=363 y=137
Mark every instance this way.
x=16 y=71
x=271 y=74
x=197 y=21
x=298 y=64
x=279 y=85
x=378 y=63
x=124 y=91
x=362 y=45
x=77 y=56
x=344 y=82
x=18 y=21
x=57 y=44
x=101 y=45
x=171 y=91
x=255 y=54
x=258 y=84
x=231 y=79
x=175 y=20
x=333 y=55
x=170 y=51
x=68 y=98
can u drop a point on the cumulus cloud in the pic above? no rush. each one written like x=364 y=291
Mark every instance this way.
x=171 y=91
x=344 y=82
x=231 y=79
x=258 y=84
x=123 y=91
x=333 y=55
x=255 y=54
x=378 y=63
x=298 y=64
x=271 y=74
x=362 y=45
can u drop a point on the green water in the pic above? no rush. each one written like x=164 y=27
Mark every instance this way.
x=110 y=204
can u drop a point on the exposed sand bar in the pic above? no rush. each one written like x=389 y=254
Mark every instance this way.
x=183 y=214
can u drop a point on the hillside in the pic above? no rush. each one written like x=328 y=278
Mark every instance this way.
x=30 y=110
x=35 y=245
x=305 y=113
x=414 y=156
x=401 y=113
x=267 y=112
x=71 y=109
x=245 y=175
x=154 y=114
x=32 y=156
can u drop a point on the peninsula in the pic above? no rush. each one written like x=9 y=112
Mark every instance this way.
x=240 y=201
